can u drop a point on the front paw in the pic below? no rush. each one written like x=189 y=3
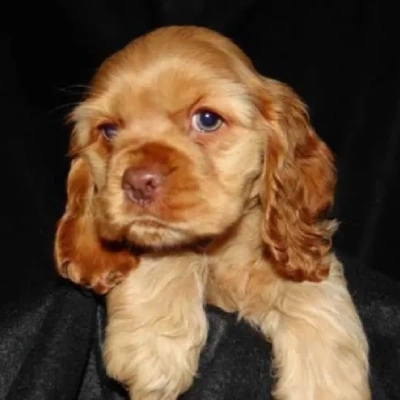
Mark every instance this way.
x=157 y=327
x=99 y=273
x=83 y=258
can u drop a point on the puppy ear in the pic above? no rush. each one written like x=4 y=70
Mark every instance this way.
x=297 y=189
x=81 y=254
x=75 y=219
x=81 y=135
x=80 y=180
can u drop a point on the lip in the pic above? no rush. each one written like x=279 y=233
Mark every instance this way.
x=150 y=223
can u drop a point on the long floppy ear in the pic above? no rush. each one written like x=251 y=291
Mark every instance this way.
x=298 y=187
x=74 y=225
x=80 y=188
x=80 y=183
x=81 y=255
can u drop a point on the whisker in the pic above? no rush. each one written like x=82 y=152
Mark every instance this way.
x=79 y=89
x=64 y=106
x=73 y=89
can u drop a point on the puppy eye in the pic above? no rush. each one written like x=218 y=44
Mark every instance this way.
x=206 y=121
x=108 y=130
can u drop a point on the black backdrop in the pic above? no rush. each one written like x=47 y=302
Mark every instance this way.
x=341 y=56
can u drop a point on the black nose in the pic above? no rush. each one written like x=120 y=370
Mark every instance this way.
x=141 y=185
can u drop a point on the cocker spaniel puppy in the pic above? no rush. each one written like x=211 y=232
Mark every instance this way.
x=183 y=152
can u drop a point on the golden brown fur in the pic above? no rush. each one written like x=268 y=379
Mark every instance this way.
x=81 y=255
x=239 y=220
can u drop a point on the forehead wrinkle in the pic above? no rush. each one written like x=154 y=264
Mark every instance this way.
x=230 y=99
x=169 y=94
x=144 y=56
x=148 y=55
x=170 y=84
x=145 y=64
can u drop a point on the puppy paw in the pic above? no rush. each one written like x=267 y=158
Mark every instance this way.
x=83 y=258
x=99 y=273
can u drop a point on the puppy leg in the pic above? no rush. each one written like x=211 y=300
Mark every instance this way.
x=320 y=349
x=157 y=327
x=80 y=254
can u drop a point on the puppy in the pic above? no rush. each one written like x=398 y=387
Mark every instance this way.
x=213 y=171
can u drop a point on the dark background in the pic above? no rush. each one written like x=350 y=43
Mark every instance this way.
x=341 y=56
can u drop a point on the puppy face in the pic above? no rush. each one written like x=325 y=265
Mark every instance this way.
x=170 y=131
x=182 y=136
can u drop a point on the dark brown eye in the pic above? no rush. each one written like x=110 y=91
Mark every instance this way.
x=108 y=130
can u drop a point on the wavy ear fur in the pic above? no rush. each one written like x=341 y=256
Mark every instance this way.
x=81 y=255
x=298 y=187
x=76 y=222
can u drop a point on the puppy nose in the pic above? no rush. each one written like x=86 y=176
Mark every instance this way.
x=141 y=185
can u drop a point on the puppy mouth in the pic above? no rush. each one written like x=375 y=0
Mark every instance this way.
x=147 y=226
x=151 y=235
x=150 y=224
